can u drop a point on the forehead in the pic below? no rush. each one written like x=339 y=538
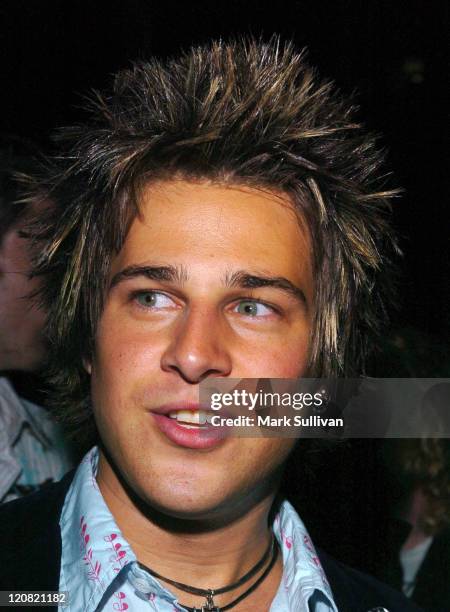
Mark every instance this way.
x=217 y=224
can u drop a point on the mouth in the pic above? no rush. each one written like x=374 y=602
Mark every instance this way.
x=192 y=419
x=188 y=426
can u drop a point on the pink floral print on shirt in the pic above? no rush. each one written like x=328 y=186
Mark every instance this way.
x=120 y=604
x=117 y=560
x=94 y=567
x=313 y=556
x=287 y=540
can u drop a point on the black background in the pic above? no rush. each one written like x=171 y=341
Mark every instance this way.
x=392 y=53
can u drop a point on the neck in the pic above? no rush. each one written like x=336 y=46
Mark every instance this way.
x=199 y=553
x=414 y=513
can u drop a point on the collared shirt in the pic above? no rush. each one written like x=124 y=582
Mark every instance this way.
x=411 y=560
x=100 y=571
x=32 y=447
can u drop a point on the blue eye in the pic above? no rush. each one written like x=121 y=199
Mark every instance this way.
x=250 y=308
x=153 y=299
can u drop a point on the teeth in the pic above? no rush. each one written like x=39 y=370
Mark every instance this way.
x=194 y=417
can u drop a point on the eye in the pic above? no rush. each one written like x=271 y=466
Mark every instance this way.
x=251 y=308
x=153 y=299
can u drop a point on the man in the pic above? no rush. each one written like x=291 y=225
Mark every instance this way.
x=32 y=447
x=218 y=217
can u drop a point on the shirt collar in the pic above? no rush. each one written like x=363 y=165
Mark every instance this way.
x=94 y=551
x=303 y=577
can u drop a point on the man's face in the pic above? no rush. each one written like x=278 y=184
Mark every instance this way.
x=179 y=310
x=21 y=322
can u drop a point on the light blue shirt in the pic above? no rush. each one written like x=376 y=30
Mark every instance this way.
x=32 y=446
x=100 y=570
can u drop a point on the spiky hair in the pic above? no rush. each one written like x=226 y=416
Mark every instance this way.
x=244 y=112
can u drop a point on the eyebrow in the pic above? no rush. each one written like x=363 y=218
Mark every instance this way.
x=246 y=280
x=169 y=274
x=239 y=279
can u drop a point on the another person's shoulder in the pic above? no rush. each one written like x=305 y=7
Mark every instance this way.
x=355 y=591
x=30 y=537
x=25 y=515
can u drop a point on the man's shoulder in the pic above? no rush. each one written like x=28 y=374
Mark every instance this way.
x=47 y=497
x=30 y=537
x=355 y=591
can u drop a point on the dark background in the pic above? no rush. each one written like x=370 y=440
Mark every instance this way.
x=392 y=53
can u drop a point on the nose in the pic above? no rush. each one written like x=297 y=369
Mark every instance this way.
x=198 y=347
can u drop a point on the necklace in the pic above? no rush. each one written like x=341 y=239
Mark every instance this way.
x=209 y=605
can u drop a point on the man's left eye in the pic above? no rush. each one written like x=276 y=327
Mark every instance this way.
x=251 y=308
x=153 y=299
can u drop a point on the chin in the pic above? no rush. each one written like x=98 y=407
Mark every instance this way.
x=170 y=488
x=184 y=504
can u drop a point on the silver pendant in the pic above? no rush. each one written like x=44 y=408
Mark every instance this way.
x=209 y=605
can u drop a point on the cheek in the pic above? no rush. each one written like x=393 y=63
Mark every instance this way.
x=124 y=355
x=121 y=369
x=291 y=363
x=281 y=354
x=282 y=361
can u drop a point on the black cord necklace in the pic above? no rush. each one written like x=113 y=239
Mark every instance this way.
x=209 y=605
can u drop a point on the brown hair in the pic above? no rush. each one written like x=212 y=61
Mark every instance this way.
x=241 y=112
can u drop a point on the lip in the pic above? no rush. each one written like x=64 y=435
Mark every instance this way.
x=199 y=438
x=182 y=405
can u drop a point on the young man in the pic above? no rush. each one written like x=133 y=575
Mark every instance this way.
x=219 y=216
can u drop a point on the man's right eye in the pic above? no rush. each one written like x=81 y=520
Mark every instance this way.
x=153 y=299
